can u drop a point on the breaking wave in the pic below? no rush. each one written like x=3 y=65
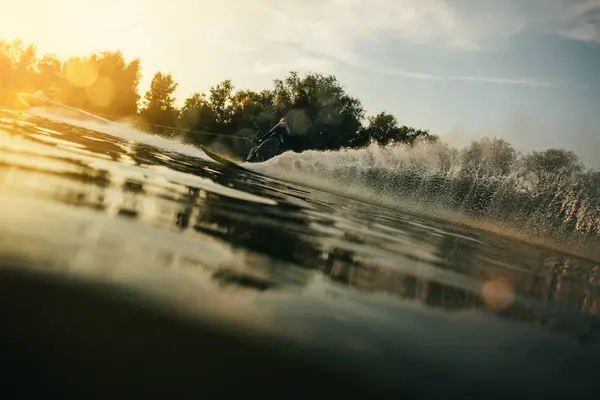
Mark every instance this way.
x=538 y=196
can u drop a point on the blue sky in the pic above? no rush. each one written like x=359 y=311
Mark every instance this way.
x=524 y=70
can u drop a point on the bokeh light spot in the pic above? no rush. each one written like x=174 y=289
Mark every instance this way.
x=81 y=72
x=102 y=92
x=498 y=294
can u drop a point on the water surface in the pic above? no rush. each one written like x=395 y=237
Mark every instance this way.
x=393 y=301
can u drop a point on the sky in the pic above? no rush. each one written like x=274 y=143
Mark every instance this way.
x=527 y=71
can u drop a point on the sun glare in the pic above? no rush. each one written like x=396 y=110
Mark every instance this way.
x=84 y=73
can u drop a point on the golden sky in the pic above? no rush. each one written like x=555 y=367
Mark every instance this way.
x=184 y=37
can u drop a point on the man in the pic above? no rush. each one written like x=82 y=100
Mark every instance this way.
x=272 y=142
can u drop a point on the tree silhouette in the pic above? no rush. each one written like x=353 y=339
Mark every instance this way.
x=17 y=70
x=322 y=114
x=118 y=82
x=159 y=110
x=50 y=70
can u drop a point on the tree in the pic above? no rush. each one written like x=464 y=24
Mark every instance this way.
x=488 y=157
x=159 y=111
x=25 y=68
x=322 y=114
x=117 y=85
x=102 y=83
x=383 y=128
x=220 y=105
x=319 y=109
x=78 y=74
x=17 y=67
x=550 y=167
x=195 y=119
x=252 y=111
x=225 y=117
x=49 y=68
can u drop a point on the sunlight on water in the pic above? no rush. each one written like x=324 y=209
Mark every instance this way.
x=80 y=118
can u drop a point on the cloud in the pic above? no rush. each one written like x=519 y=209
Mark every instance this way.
x=531 y=82
x=575 y=19
x=581 y=20
x=522 y=81
x=311 y=34
x=315 y=35
x=335 y=30
x=277 y=35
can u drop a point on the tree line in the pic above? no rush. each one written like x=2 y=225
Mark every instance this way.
x=323 y=115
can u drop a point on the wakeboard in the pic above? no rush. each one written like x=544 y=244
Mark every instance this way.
x=222 y=160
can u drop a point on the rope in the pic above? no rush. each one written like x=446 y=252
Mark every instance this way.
x=107 y=118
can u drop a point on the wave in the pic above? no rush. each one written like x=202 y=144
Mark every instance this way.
x=557 y=205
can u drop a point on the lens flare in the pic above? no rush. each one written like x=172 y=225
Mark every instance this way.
x=81 y=72
x=102 y=92
x=498 y=294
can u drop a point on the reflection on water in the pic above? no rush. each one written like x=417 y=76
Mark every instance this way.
x=278 y=257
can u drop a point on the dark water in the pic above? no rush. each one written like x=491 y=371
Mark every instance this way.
x=134 y=269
